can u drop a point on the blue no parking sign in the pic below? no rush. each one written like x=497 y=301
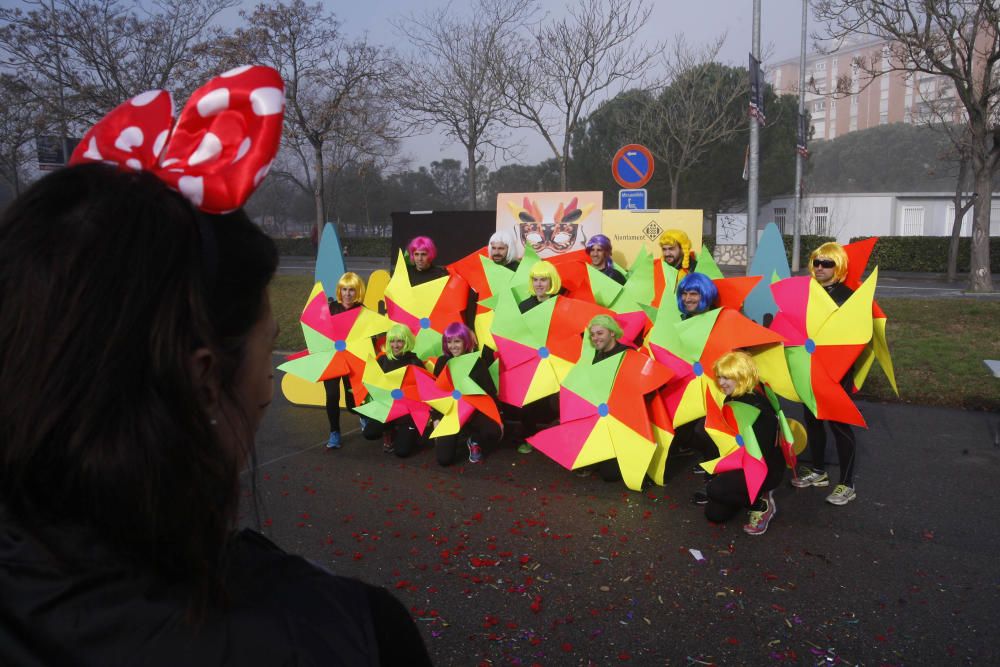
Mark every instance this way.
x=632 y=166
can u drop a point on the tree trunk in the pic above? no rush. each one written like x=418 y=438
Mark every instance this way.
x=319 y=190
x=980 y=279
x=675 y=184
x=956 y=226
x=473 y=199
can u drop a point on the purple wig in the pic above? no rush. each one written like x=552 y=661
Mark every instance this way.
x=422 y=243
x=460 y=331
x=603 y=242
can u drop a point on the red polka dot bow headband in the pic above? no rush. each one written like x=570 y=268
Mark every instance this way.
x=218 y=152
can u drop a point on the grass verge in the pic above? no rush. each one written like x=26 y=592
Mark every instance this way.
x=938 y=346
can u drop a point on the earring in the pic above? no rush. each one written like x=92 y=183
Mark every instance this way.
x=213 y=421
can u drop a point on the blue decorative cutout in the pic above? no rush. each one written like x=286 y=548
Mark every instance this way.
x=543 y=352
x=456 y=394
x=603 y=410
x=340 y=345
x=810 y=345
x=396 y=394
x=425 y=323
x=739 y=440
x=699 y=370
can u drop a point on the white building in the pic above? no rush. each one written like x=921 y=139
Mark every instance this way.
x=845 y=215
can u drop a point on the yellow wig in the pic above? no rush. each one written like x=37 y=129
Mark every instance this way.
x=738 y=366
x=351 y=280
x=833 y=251
x=678 y=238
x=544 y=269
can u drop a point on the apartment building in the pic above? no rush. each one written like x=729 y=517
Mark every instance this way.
x=841 y=98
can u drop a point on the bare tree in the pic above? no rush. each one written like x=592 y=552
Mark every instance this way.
x=448 y=82
x=956 y=40
x=84 y=57
x=337 y=89
x=701 y=104
x=20 y=122
x=554 y=77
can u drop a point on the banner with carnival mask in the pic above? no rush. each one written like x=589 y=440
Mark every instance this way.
x=553 y=223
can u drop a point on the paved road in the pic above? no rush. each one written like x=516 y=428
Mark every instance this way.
x=517 y=561
x=891 y=284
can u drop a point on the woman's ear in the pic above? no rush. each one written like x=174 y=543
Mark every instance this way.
x=204 y=375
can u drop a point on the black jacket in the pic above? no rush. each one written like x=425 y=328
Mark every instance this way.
x=408 y=359
x=96 y=610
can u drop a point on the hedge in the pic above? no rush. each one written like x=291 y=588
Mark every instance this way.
x=359 y=247
x=925 y=253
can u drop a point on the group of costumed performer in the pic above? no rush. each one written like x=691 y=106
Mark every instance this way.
x=622 y=375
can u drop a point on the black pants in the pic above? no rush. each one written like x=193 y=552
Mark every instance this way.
x=406 y=439
x=538 y=413
x=333 y=400
x=727 y=495
x=694 y=436
x=480 y=429
x=843 y=436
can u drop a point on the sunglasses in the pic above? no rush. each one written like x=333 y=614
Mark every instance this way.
x=825 y=263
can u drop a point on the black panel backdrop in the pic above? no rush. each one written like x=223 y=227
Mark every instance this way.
x=455 y=233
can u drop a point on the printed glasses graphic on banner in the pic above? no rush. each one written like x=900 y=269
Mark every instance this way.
x=558 y=235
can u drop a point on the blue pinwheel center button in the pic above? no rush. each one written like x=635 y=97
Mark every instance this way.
x=602 y=410
x=810 y=345
x=699 y=370
x=396 y=394
x=456 y=394
x=739 y=440
x=340 y=345
x=425 y=323
x=543 y=352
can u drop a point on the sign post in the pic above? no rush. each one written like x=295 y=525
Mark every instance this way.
x=632 y=167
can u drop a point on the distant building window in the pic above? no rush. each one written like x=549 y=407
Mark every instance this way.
x=913 y=221
x=780 y=215
x=821 y=220
x=819 y=105
x=820 y=66
x=883 y=119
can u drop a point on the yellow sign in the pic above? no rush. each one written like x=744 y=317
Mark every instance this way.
x=630 y=231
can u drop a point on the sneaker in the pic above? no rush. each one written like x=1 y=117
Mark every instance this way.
x=759 y=519
x=700 y=498
x=809 y=477
x=681 y=451
x=698 y=470
x=841 y=495
x=475 y=452
x=583 y=472
x=334 y=441
x=525 y=448
x=387 y=446
x=362 y=423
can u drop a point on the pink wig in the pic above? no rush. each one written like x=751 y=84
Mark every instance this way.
x=422 y=243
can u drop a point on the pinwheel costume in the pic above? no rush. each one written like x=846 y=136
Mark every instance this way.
x=462 y=396
x=602 y=416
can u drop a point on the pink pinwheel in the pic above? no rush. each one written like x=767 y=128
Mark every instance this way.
x=690 y=348
x=602 y=415
x=823 y=341
x=456 y=395
x=394 y=394
x=337 y=345
x=426 y=309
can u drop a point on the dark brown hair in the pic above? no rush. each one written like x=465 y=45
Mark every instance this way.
x=109 y=281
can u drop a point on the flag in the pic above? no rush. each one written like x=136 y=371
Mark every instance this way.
x=756 y=90
x=802 y=137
